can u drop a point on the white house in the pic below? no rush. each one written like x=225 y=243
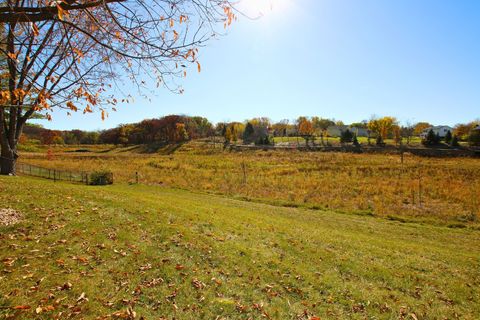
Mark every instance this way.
x=440 y=130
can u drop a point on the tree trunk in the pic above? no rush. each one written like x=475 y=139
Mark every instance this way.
x=8 y=162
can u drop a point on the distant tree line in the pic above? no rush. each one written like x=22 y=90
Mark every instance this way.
x=168 y=129
x=259 y=131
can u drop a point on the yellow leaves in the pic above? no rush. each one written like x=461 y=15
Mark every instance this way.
x=60 y=12
x=39 y=309
x=199 y=67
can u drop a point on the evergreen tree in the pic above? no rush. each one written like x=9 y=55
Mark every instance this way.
x=474 y=138
x=448 y=137
x=248 y=133
x=431 y=139
x=346 y=136
x=455 y=142
x=355 y=141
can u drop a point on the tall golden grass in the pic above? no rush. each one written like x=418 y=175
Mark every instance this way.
x=431 y=189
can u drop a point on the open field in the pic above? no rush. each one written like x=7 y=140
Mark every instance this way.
x=434 y=190
x=106 y=252
x=415 y=141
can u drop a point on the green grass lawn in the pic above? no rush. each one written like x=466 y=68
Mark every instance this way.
x=109 y=252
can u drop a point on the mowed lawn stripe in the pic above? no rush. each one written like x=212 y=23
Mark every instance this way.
x=229 y=258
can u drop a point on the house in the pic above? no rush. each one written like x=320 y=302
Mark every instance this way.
x=440 y=130
x=359 y=132
x=336 y=131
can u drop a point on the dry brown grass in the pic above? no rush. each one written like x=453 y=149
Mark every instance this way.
x=431 y=189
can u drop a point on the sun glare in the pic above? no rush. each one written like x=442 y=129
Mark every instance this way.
x=255 y=8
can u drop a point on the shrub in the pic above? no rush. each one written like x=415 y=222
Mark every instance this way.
x=431 y=139
x=454 y=142
x=100 y=178
x=474 y=138
x=355 y=141
x=448 y=137
x=379 y=141
x=346 y=136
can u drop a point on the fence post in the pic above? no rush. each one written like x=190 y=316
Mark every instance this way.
x=54 y=175
x=136 y=177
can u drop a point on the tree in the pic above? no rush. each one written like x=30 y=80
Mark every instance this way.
x=248 y=133
x=305 y=128
x=420 y=127
x=431 y=139
x=321 y=126
x=397 y=134
x=67 y=54
x=462 y=130
x=355 y=141
x=448 y=137
x=474 y=138
x=180 y=132
x=455 y=142
x=382 y=127
x=346 y=136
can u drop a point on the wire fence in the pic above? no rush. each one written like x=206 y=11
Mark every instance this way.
x=54 y=174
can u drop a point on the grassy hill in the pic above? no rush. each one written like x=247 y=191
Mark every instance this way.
x=160 y=253
x=435 y=190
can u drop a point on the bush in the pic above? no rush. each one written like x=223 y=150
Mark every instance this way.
x=346 y=136
x=448 y=137
x=355 y=141
x=100 y=178
x=454 y=142
x=431 y=139
x=379 y=141
x=474 y=138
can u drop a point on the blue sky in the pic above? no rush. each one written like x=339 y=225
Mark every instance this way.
x=416 y=60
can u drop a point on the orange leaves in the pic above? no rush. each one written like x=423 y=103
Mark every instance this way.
x=35 y=30
x=12 y=55
x=199 y=67
x=4 y=96
x=21 y=307
x=230 y=16
x=87 y=109
x=172 y=23
x=79 y=53
x=71 y=106
x=175 y=35
x=183 y=18
x=60 y=12
x=104 y=114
